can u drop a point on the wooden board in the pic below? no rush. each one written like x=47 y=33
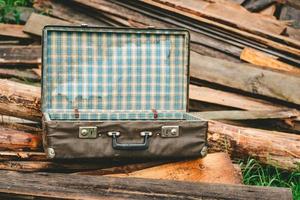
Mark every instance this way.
x=13 y=30
x=28 y=75
x=22 y=156
x=262 y=59
x=20 y=55
x=214 y=168
x=36 y=23
x=61 y=186
x=248 y=115
x=246 y=77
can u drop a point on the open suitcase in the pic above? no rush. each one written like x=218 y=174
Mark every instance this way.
x=118 y=93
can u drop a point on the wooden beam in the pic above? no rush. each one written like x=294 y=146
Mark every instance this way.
x=248 y=115
x=11 y=139
x=246 y=77
x=17 y=55
x=36 y=23
x=33 y=185
x=20 y=100
x=214 y=168
x=269 y=147
x=13 y=30
x=22 y=156
x=28 y=75
x=259 y=58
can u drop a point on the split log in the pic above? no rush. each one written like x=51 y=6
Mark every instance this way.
x=269 y=147
x=17 y=140
x=25 y=55
x=248 y=115
x=214 y=168
x=13 y=30
x=259 y=58
x=20 y=100
x=88 y=187
x=246 y=77
x=36 y=23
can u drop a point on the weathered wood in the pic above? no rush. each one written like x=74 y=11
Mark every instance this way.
x=248 y=115
x=291 y=14
x=13 y=30
x=269 y=11
x=269 y=147
x=36 y=23
x=20 y=100
x=65 y=12
x=22 y=156
x=11 y=139
x=259 y=5
x=27 y=55
x=28 y=75
x=230 y=99
x=60 y=186
x=214 y=168
x=293 y=44
x=246 y=77
x=262 y=59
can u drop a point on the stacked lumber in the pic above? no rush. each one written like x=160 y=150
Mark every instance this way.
x=245 y=79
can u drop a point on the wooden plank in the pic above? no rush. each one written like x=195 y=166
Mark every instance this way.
x=262 y=59
x=269 y=11
x=20 y=100
x=214 y=168
x=28 y=75
x=11 y=139
x=230 y=99
x=88 y=187
x=36 y=23
x=20 y=55
x=246 y=77
x=22 y=156
x=13 y=30
x=269 y=147
x=248 y=115
x=285 y=40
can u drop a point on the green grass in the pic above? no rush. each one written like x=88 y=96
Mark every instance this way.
x=257 y=174
x=9 y=7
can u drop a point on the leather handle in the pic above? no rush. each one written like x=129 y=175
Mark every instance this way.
x=130 y=146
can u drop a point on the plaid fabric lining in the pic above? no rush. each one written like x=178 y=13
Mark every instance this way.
x=87 y=115
x=117 y=70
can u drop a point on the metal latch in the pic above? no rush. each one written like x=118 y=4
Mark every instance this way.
x=88 y=132
x=170 y=131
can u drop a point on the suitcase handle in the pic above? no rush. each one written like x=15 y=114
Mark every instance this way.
x=130 y=146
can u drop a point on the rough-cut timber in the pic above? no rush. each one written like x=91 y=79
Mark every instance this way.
x=17 y=55
x=230 y=99
x=13 y=30
x=11 y=139
x=36 y=23
x=214 y=168
x=20 y=100
x=246 y=77
x=269 y=147
x=19 y=74
x=262 y=59
x=61 y=186
x=22 y=156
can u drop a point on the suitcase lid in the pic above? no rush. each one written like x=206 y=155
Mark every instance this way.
x=114 y=69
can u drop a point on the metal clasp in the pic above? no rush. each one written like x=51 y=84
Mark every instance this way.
x=170 y=131
x=88 y=132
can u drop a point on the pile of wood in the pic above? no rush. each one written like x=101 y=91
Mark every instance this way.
x=245 y=79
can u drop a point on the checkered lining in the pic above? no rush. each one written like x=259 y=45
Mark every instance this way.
x=114 y=73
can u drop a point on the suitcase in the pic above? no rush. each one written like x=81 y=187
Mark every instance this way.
x=118 y=93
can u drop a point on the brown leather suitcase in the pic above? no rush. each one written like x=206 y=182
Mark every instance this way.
x=118 y=93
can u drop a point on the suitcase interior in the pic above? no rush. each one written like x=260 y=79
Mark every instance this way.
x=92 y=73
